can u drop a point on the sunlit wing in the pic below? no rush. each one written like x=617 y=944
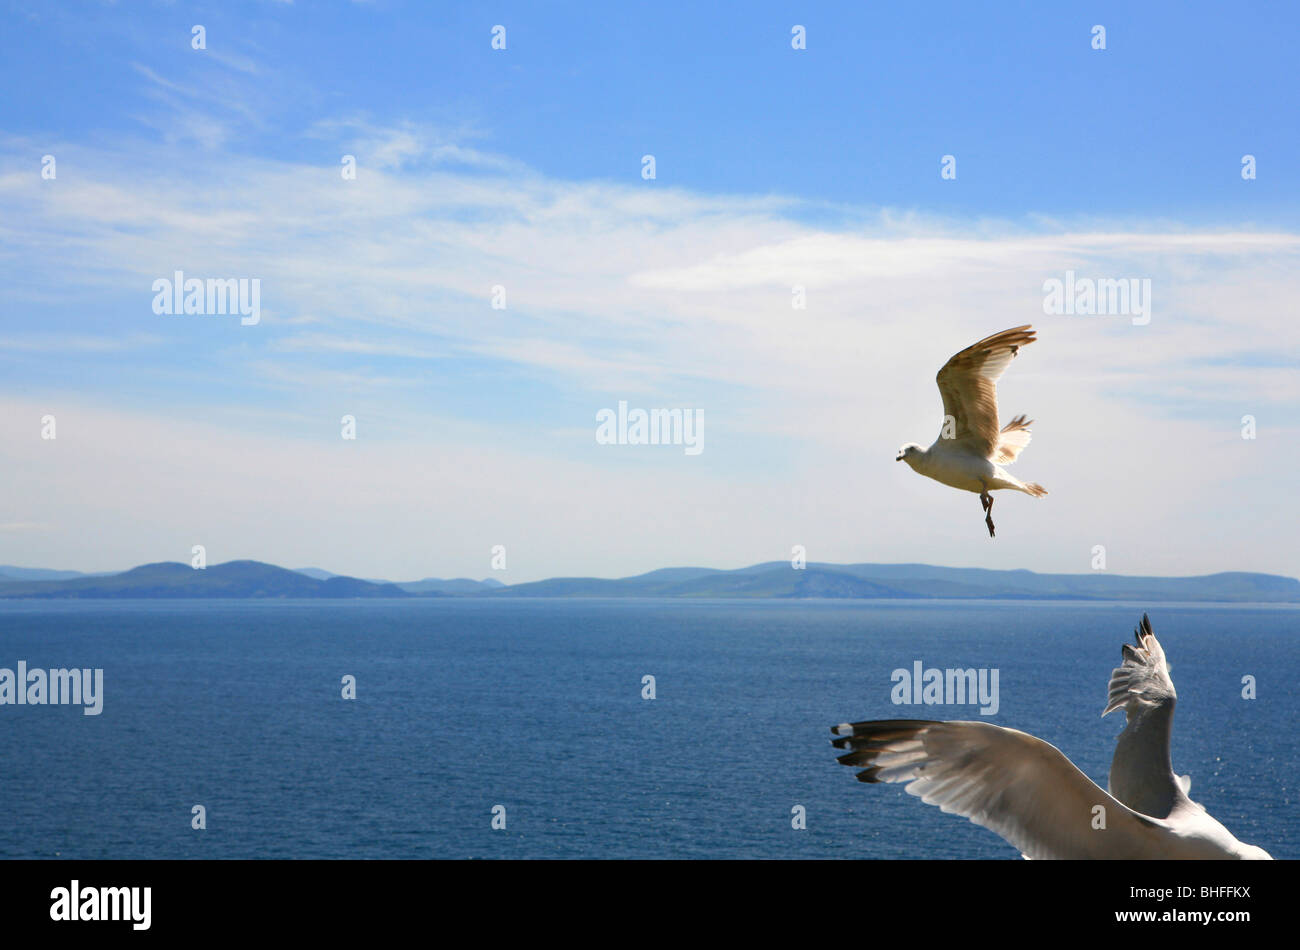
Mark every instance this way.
x=968 y=385
x=1009 y=782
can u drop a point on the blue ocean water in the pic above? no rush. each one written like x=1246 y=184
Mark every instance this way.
x=537 y=705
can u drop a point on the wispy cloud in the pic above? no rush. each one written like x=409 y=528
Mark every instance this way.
x=321 y=343
x=617 y=290
x=74 y=343
x=16 y=527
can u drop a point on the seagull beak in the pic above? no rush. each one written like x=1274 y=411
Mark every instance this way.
x=899 y=459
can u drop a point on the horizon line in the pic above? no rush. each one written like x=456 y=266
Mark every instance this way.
x=556 y=577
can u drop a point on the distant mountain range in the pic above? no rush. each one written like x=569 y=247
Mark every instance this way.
x=171 y=579
x=916 y=581
x=9 y=572
x=773 y=579
x=429 y=585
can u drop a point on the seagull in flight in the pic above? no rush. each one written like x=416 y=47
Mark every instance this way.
x=970 y=451
x=1028 y=792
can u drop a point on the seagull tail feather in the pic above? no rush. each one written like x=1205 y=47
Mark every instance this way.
x=1012 y=440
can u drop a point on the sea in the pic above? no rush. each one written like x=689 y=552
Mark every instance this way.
x=501 y=728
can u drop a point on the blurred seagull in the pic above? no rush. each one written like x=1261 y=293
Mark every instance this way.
x=970 y=451
x=1028 y=792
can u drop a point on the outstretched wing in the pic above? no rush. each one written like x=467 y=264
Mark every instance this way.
x=1020 y=787
x=1141 y=771
x=968 y=384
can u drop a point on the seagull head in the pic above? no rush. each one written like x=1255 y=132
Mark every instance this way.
x=909 y=453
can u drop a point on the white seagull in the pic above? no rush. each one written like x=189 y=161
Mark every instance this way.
x=970 y=451
x=1028 y=792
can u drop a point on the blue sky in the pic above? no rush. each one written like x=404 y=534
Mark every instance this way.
x=1041 y=122
x=522 y=168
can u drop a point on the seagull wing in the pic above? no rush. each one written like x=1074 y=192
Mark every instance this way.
x=1020 y=787
x=968 y=384
x=1141 y=771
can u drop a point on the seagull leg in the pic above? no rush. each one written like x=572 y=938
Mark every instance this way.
x=987 y=501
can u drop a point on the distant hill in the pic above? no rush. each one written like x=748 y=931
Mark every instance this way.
x=170 y=579
x=429 y=585
x=915 y=581
x=322 y=575
x=316 y=573
x=11 y=573
x=773 y=579
x=457 y=585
